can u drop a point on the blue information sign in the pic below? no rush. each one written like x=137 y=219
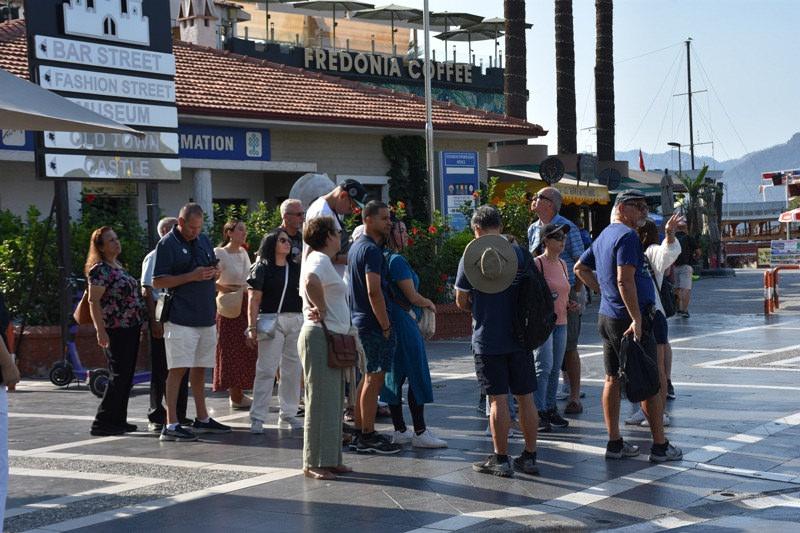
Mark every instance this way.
x=213 y=142
x=16 y=140
x=459 y=175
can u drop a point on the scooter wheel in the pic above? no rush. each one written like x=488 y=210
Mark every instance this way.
x=61 y=374
x=98 y=382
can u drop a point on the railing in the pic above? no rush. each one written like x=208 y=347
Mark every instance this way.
x=771 y=297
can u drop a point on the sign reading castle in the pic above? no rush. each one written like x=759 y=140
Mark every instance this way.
x=115 y=58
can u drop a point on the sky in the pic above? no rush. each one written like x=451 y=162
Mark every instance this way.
x=745 y=54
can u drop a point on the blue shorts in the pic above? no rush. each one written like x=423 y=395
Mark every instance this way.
x=660 y=328
x=378 y=350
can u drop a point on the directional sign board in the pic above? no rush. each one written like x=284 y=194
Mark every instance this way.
x=459 y=175
x=115 y=58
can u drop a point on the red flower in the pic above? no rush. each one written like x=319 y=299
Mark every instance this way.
x=444 y=277
x=356 y=210
x=89 y=198
x=476 y=195
x=432 y=229
x=414 y=230
x=401 y=205
x=410 y=241
x=440 y=289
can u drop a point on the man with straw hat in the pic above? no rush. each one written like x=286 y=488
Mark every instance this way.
x=486 y=285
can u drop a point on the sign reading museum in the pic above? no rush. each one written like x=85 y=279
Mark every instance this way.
x=115 y=58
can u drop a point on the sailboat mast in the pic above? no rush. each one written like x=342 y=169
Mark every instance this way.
x=689 y=95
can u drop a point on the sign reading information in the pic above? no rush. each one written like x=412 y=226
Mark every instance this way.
x=459 y=175
x=113 y=57
x=213 y=142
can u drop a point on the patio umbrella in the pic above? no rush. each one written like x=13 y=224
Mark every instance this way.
x=495 y=25
x=667 y=195
x=790 y=216
x=391 y=12
x=26 y=106
x=445 y=19
x=332 y=5
x=468 y=35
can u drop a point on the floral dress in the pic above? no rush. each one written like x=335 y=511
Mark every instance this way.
x=122 y=303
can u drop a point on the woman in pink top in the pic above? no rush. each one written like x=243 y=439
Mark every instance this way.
x=548 y=356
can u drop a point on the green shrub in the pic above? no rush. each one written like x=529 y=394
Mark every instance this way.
x=259 y=221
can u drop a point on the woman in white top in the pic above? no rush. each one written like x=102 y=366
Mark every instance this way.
x=324 y=299
x=236 y=361
x=660 y=257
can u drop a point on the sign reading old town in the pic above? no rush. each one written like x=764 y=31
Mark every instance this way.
x=113 y=57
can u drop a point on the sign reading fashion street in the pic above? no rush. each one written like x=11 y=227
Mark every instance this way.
x=113 y=57
x=459 y=179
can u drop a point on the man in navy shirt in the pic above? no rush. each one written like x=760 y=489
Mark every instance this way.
x=501 y=363
x=186 y=265
x=368 y=275
x=627 y=298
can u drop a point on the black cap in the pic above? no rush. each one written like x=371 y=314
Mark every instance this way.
x=356 y=191
x=629 y=195
x=555 y=228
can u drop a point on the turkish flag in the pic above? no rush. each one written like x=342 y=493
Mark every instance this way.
x=641 y=161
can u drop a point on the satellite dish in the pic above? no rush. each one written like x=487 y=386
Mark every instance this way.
x=610 y=177
x=551 y=170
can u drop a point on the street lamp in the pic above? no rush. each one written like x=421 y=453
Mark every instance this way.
x=678 y=146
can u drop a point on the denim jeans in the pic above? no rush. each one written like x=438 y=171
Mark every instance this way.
x=548 y=358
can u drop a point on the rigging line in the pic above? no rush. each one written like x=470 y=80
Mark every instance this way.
x=707 y=121
x=648 y=53
x=719 y=100
x=586 y=102
x=650 y=107
x=669 y=108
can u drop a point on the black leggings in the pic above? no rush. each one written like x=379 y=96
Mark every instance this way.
x=417 y=414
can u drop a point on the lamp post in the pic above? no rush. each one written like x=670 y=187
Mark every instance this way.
x=678 y=146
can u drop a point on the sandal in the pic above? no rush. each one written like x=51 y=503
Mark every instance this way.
x=340 y=469
x=319 y=473
x=573 y=408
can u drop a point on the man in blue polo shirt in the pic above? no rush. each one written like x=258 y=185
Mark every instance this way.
x=187 y=267
x=368 y=275
x=487 y=284
x=627 y=301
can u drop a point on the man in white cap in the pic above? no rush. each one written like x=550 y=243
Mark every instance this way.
x=486 y=285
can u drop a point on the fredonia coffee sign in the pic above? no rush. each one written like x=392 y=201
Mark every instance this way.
x=341 y=61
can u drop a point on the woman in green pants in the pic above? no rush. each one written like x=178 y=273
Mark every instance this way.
x=324 y=299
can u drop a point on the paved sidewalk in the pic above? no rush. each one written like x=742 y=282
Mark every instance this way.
x=737 y=418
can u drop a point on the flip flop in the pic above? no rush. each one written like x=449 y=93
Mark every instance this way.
x=340 y=469
x=319 y=473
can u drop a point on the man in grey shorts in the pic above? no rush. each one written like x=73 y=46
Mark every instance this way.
x=546 y=204
x=683 y=271
x=187 y=267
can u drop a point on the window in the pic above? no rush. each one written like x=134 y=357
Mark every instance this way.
x=123 y=6
x=109 y=26
x=90 y=4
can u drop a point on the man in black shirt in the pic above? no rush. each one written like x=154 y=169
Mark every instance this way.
x=690 y=252
x=293 y=216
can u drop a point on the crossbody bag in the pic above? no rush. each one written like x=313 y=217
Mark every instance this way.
x=267 y=323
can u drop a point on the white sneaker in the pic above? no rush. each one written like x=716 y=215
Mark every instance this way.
x=636 y=418
x=402 y=437
x=427 y=440
x=256 y=427
x=667 y=422
x=289 y=422
x=563 y=391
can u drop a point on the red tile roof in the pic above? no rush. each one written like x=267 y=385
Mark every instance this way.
x=215 y=83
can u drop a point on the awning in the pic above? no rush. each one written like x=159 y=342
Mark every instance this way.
x=572 y=193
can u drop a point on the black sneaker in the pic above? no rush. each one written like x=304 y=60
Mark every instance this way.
x=102 y=431
x=155 y=427
x=179 y=434
x=544 y=422
x=492 y=465
x=556 y=420
x=185 y=421
x=129 y=428
x=212 y=426
x=670 y=390
x=353 y=446
x=375 y=443
x=526 y=463
x=665 y=452
x=619 y=449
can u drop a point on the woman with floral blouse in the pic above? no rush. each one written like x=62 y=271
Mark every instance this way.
x=117 y=311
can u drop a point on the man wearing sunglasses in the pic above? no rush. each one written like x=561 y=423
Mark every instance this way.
x=615 y=266
x=546 y=204
x=293 y=217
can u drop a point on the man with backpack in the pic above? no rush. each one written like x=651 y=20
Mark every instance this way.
x=487 y=285
x=627 y=299
x=683 y=271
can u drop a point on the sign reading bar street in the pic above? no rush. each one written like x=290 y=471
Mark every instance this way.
x=113 y=57
x=80 y=167
x=102 y=55
x=152 y=142
x=104 y=84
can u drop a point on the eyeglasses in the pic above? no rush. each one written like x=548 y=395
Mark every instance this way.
x=638 y=205
x=542 y=197
x=298 y=214
x=558 y=236
x=283 y=240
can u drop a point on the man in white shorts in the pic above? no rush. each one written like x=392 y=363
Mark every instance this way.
x=187 y=267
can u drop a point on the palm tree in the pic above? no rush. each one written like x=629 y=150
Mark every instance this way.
x=604 y=79
x=515 y=75
x=565 y=79
x=693 y=208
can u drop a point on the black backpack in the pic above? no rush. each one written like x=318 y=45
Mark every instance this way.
x=535 y=316
x=638 y=370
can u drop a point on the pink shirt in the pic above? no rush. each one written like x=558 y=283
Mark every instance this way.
x=555 y=273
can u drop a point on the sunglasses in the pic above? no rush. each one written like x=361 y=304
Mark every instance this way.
x=542 y=197
x=283 y=240
x=558 y=236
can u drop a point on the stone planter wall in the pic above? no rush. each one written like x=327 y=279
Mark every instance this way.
x=452 y=322
x=41 y=347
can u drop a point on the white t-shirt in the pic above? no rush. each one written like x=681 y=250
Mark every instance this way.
x=234 y=267
x=320 y=208
x=148 y=264
x=337 y=316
